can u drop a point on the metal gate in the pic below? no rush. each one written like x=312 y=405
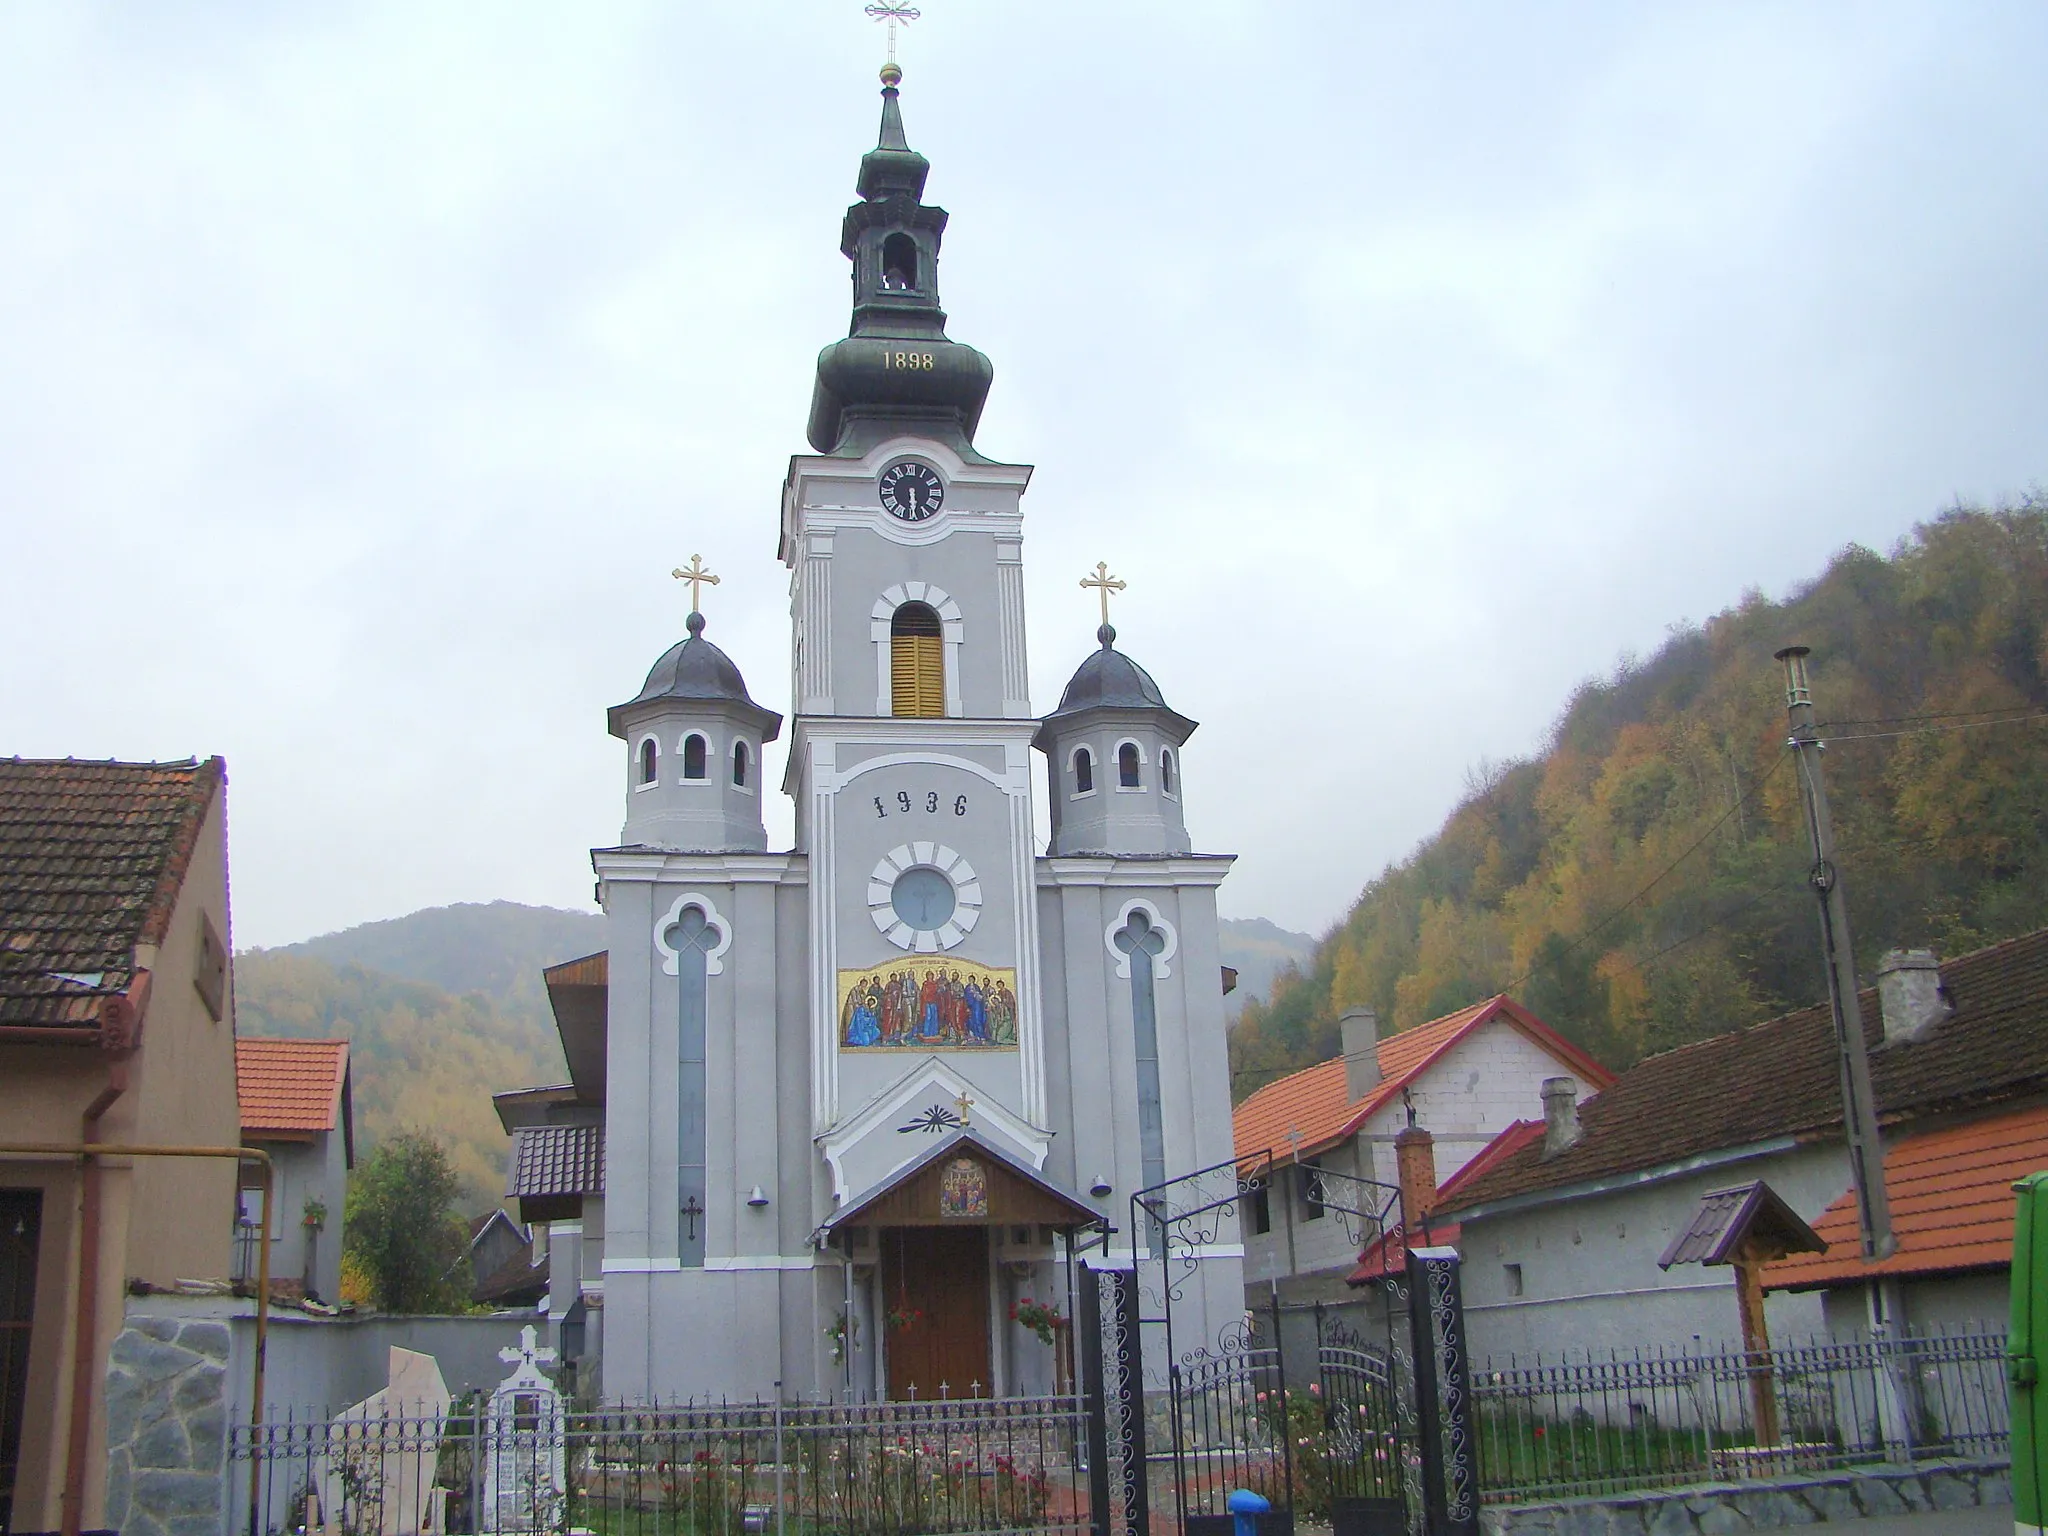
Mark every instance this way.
x=1366 y=1428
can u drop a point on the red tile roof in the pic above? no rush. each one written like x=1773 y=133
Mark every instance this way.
x=1951 y=1199
x=91 y=859
x=1315 y=1105
x=290 y=1087
x=1779 y=1079
x=1389 y=1254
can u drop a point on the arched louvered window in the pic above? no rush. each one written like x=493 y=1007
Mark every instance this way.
x=739 y=764
x=1084 y=771
x=1127 y=765
x=899 y=262
x=1166 y=770
x=650 y=761
x=693 y=756
x=917 y=663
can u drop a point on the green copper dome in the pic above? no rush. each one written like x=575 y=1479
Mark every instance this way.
x=896 y=367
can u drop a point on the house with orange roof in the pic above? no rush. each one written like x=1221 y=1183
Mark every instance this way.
x=296 y=1104
x=1463 y=1076
x=1951 y=1196
x=1562 y=1233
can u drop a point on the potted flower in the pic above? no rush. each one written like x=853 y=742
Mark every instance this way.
x=1039 y=1317
x=315 y=1213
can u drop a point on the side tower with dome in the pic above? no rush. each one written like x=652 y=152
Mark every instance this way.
x=856 y=1094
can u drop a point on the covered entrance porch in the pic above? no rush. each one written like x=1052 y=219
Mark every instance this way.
x=941 y=1251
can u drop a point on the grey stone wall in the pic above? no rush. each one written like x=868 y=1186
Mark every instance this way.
x=167 y=1427
x=1726 y=1509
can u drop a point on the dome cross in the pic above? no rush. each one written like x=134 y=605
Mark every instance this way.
x=698 y=578
x=893 y=11
x=1103 y=584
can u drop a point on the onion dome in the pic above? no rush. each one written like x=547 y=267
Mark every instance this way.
x=1109 y=679
x=896 y=367
x=695 y=672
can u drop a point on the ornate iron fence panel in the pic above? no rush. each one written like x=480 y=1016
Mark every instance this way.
x=1114 y=1383
x=966 y=1467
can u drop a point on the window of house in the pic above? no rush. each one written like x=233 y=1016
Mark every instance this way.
x=1260 y=1211
x=1084 y=772
x=917 y=663
x=1127 y=765
x=1514 y=1278
x=1311 y=1173
x=650 y=761
x=739 y=764
x=693 y=756
x=1166 y=769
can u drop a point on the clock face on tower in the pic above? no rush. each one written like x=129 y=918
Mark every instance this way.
x=912 y=491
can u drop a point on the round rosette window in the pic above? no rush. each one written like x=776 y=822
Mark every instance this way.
x=924 y=897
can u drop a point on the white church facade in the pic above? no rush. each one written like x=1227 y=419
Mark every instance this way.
x=837 y=1110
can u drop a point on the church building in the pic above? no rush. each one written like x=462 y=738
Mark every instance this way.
x=838 y=1110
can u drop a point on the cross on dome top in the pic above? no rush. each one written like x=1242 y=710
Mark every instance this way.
x=1103 y=584
x=699 y=577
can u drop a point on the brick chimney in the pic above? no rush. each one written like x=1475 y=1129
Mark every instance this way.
x=1560 y=1114
x=1360 y=1028
x=1415 y=1157
x=1910 y=994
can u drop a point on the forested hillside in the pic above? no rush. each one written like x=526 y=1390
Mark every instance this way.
x=442 y=1008
x=1642 y=883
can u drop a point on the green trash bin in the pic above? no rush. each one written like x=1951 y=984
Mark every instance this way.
x=2025 y=1345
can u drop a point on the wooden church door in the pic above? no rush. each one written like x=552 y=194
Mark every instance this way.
x=935 y=1307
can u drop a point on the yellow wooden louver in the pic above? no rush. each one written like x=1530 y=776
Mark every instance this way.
x=917 y=676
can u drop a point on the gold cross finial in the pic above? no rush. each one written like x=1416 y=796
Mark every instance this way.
x=963 y=1104
x=698 y=578
x=893 y=11
x=1103 y=584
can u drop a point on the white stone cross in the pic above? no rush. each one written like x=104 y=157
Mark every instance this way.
x=528 y=1353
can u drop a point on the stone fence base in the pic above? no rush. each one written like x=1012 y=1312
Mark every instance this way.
x=1726 y=1509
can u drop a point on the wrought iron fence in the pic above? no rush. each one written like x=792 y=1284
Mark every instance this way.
x=956 y=1467
x=1632 y=1419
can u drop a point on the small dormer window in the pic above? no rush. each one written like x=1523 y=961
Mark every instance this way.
x=1127 y=765
x=650 y=761
x=1084 y=771
x=899 y=263
x=693 y=756
x=739 y=764
x=1166 y=770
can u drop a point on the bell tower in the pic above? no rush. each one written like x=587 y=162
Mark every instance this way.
x=911 y=746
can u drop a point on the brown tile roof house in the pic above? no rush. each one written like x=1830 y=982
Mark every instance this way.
x=1777 y=1082
x=116 y=1028
x=92 y=856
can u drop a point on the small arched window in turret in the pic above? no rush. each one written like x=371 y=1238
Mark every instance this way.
x=1127 y=765
x=650 y=761
x=899 y=262
x=917 y=662
x=693 y=756
x=1166 y=783
x=739 y=764
x=1084 y=771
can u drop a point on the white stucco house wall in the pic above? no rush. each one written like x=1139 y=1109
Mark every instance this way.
x=297 y=1105
x=1561 y=1233
x=1466 y=1077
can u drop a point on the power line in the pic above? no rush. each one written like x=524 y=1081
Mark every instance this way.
x=1936 y=730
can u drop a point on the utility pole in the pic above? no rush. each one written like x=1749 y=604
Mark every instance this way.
x=1859 y=1103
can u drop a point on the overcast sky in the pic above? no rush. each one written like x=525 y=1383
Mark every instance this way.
x=364 y=370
